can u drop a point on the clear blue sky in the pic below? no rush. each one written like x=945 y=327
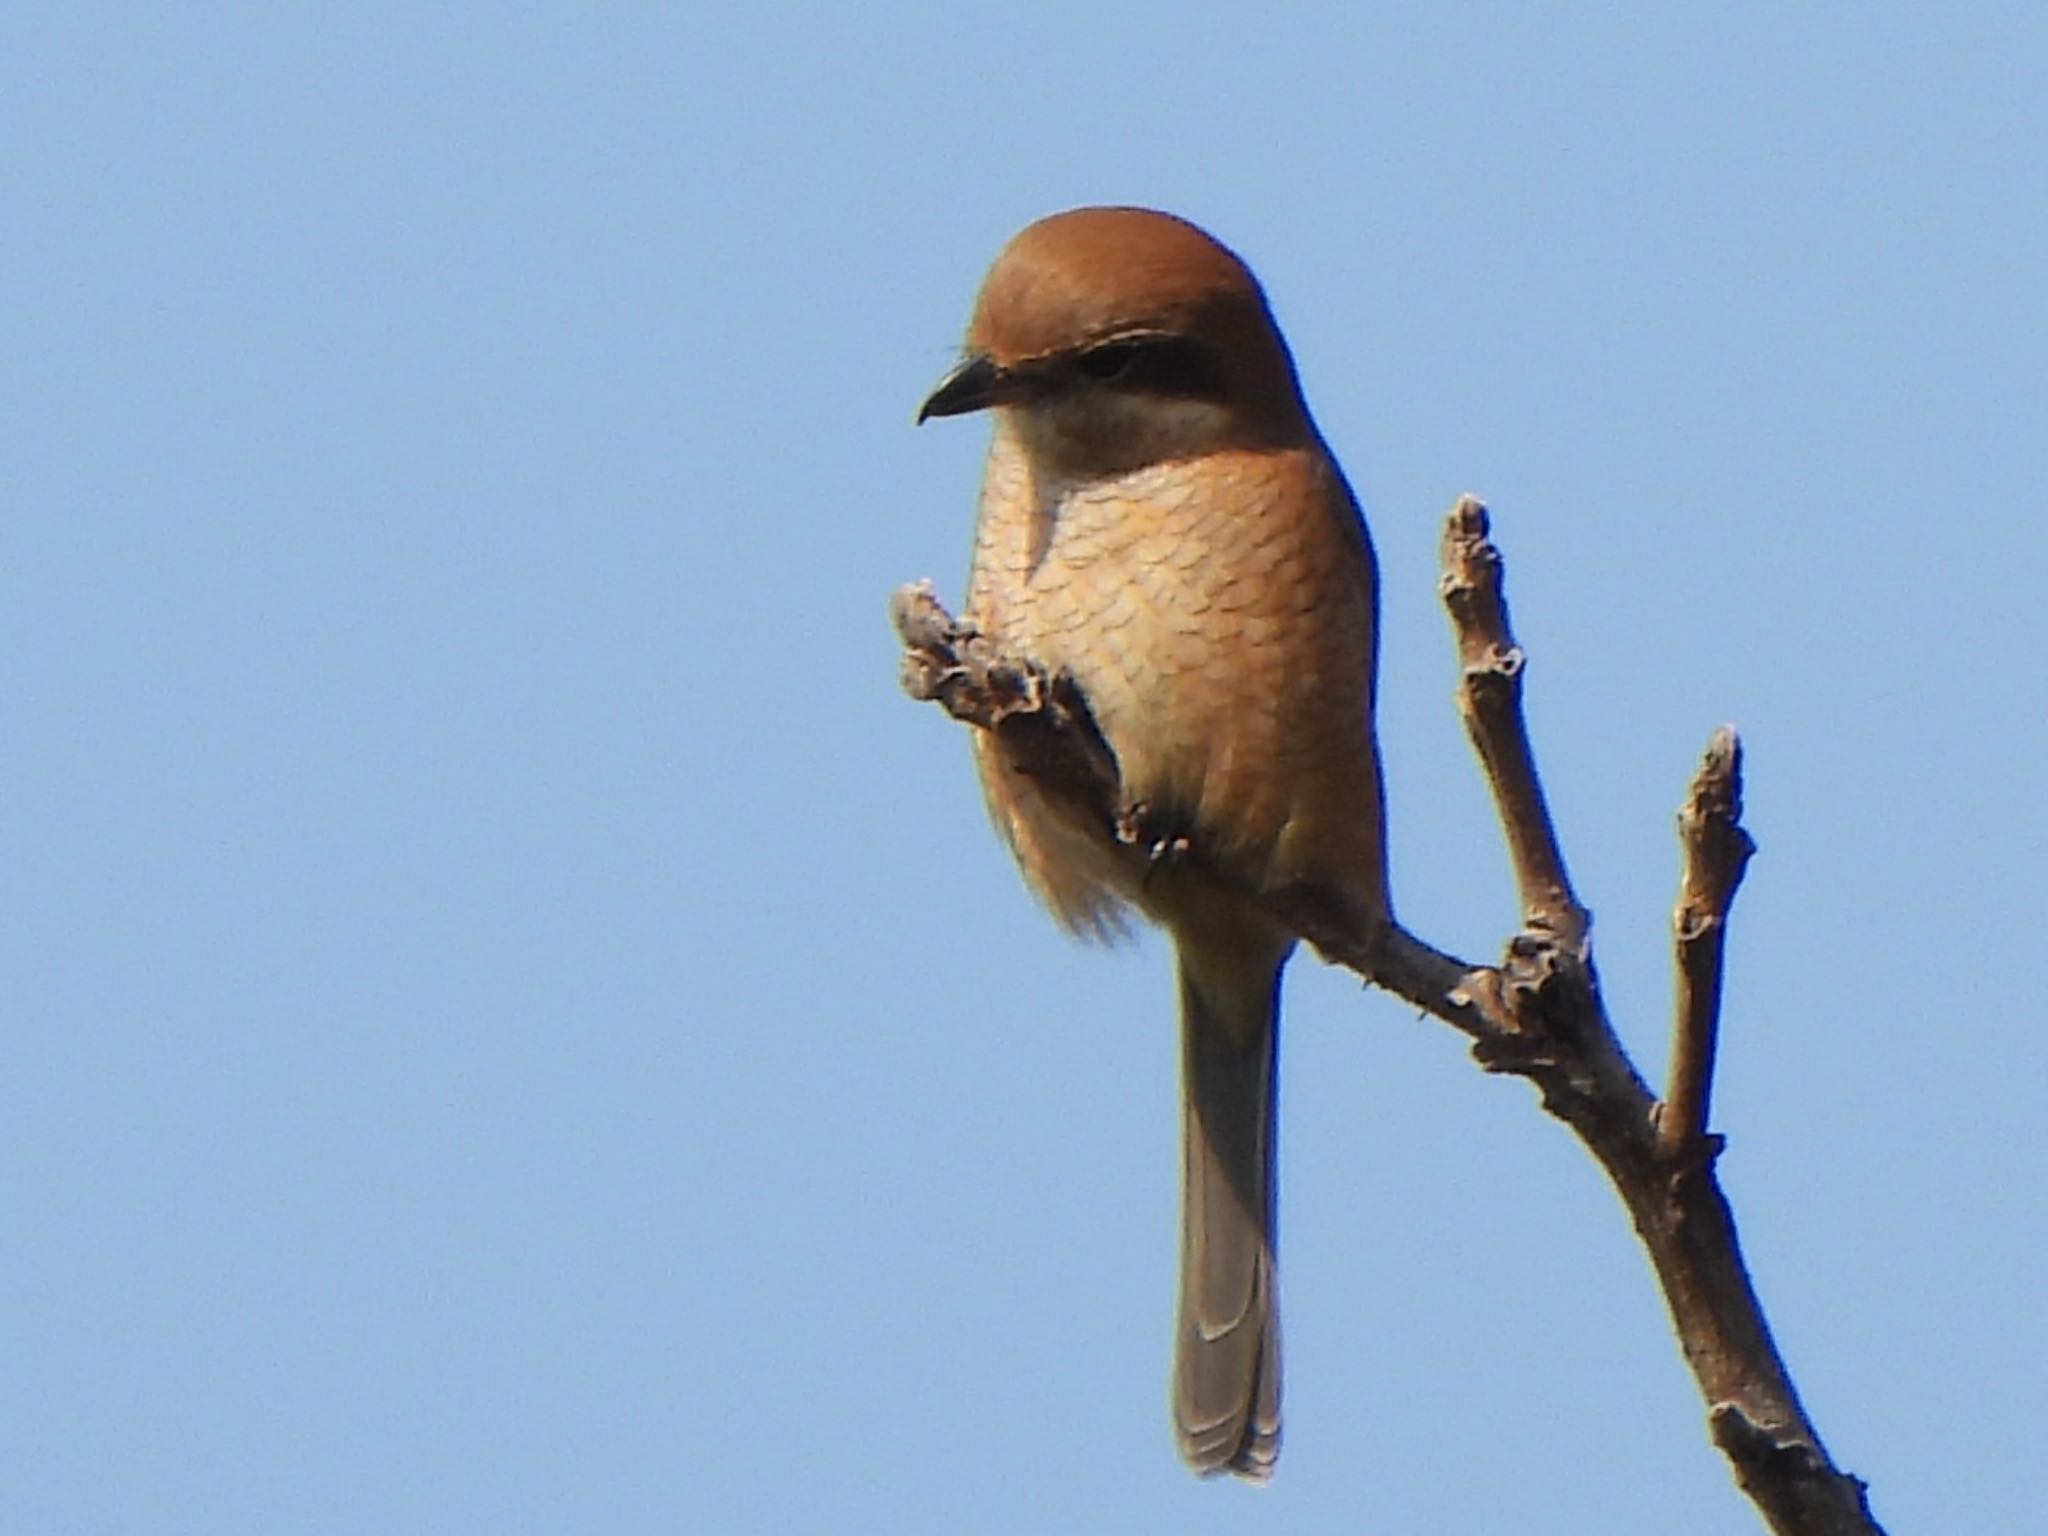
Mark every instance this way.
x=512 y=1023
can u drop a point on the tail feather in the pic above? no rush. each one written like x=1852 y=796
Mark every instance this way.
x=1226 y=1378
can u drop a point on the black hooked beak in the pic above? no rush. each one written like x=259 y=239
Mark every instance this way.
x=975 y=385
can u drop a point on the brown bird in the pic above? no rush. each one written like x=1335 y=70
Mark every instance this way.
x=1161 y=522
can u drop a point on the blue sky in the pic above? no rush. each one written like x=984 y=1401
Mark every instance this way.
x=514 y=1024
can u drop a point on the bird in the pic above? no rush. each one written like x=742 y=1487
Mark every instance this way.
x=1162 y=524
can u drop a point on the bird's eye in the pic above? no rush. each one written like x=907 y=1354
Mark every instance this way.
x=1169 y=367
x=1111 y=361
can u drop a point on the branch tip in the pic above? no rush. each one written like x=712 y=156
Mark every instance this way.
x=1492 y=671
x=1716 y=850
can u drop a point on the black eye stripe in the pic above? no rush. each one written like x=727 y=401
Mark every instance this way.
x=1110 y=360
x=1171 y=366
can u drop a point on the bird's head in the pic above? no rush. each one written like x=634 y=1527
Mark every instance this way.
x=1109 y=337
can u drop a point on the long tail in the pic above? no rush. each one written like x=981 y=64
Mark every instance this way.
x=1226 y=1372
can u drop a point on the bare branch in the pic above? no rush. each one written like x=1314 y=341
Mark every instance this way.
x=1490 y=699
x=1717 y=850
x=1539 y=1014
x=1042 y=721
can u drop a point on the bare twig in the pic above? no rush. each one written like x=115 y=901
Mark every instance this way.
x=1490 y=699
x=1539 y=1014
x=1043 y=722
x=1717 y=850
